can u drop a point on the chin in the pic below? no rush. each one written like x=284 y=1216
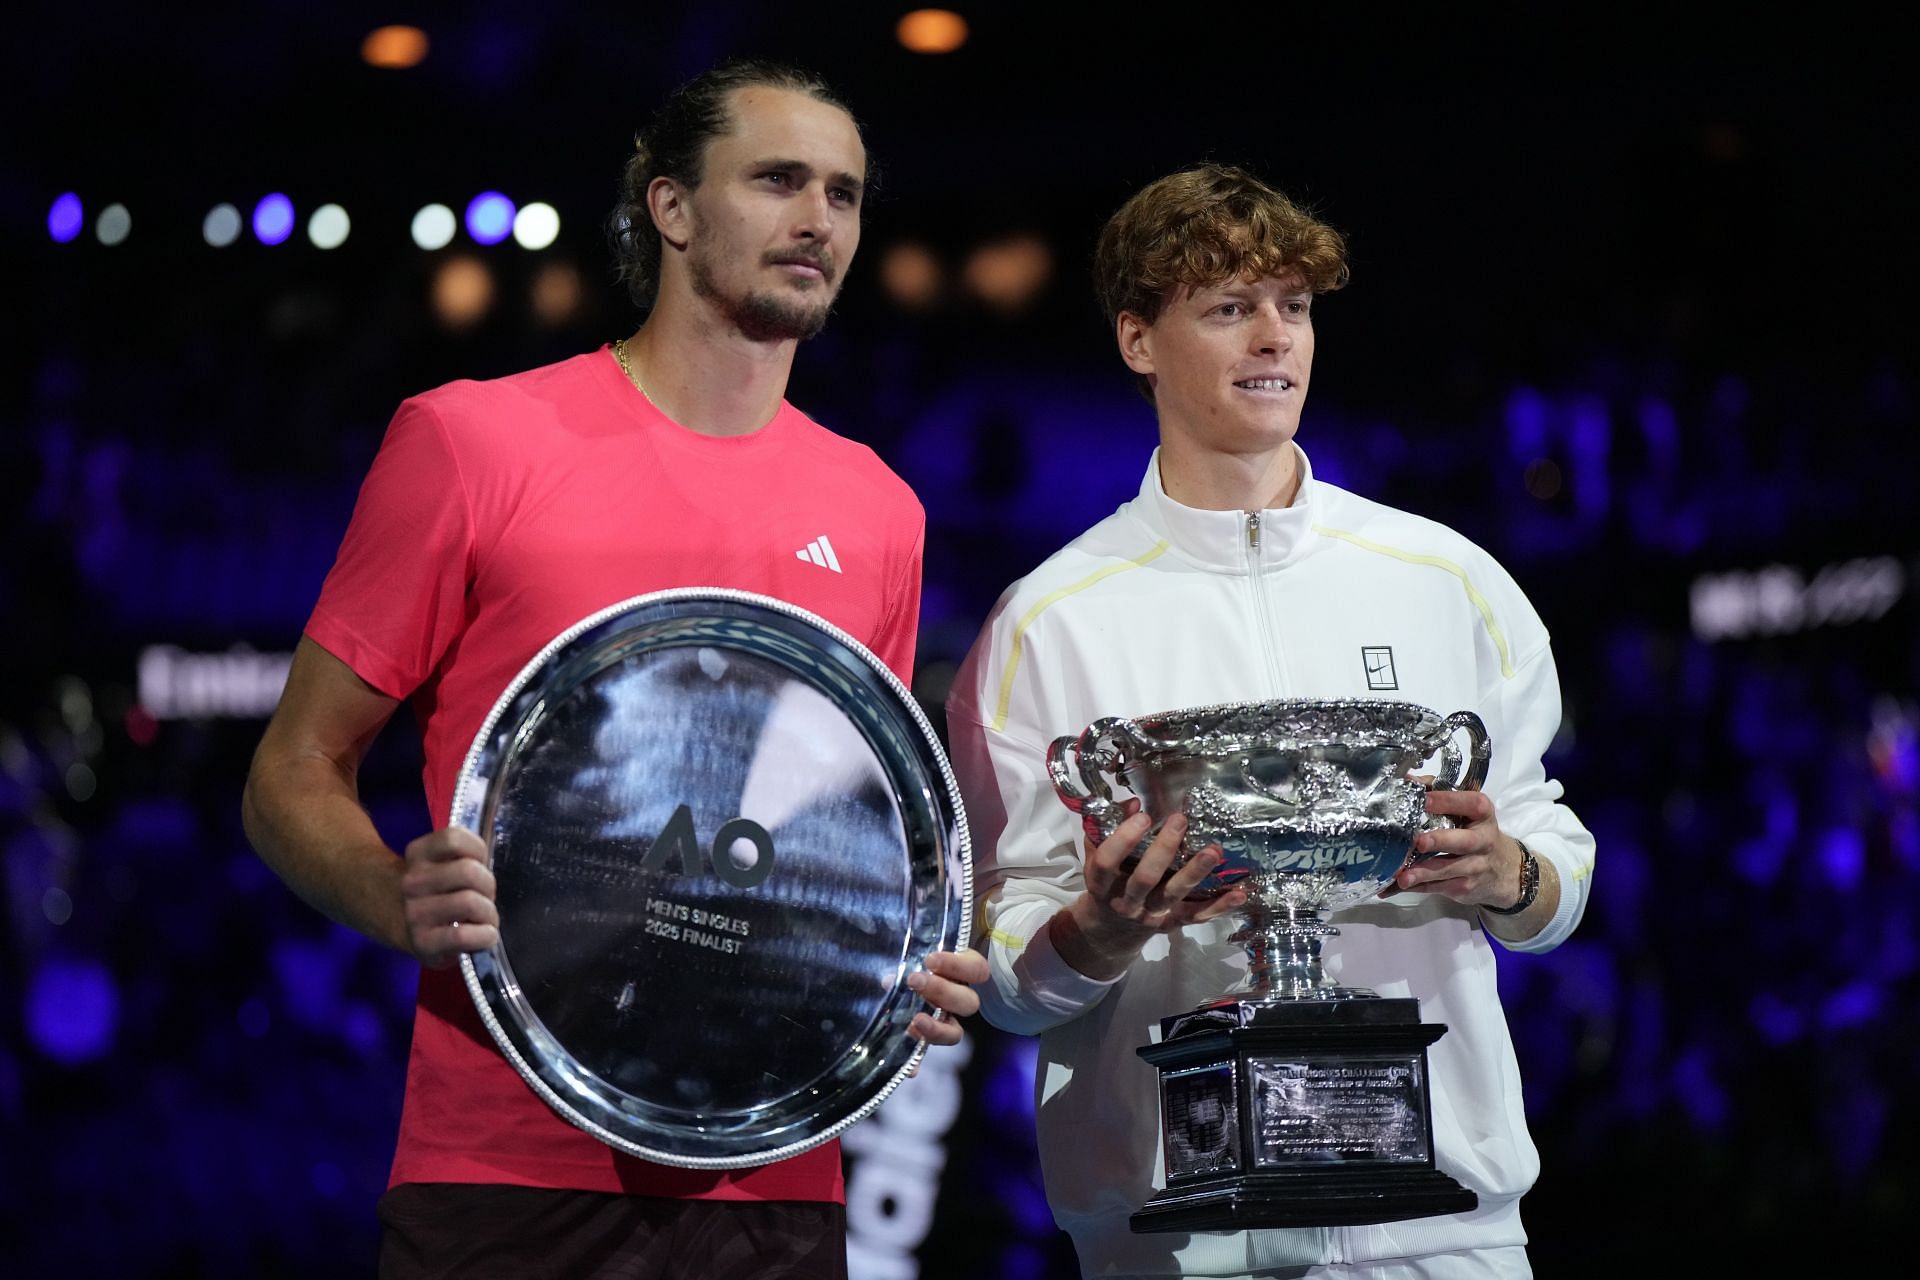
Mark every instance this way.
x=1254 y=436
x=770 y=318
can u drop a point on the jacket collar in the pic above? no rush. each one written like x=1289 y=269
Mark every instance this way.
x=1221 y=540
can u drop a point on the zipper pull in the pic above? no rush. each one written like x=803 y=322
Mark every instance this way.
x=1253 y=528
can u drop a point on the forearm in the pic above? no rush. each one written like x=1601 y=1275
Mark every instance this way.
x=306 y=822
x=1032 y=987
x=1526 y=715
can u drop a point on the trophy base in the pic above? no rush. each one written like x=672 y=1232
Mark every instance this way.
x=1348 y=1198
x=1297 y=1113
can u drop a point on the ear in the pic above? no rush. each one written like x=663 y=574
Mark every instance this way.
x=672 y=215
x=1135 y=338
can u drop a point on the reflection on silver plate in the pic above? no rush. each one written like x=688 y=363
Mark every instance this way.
x=723 y=835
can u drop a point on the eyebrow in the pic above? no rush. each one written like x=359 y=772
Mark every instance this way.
x=847 y=180
x=1241 y=288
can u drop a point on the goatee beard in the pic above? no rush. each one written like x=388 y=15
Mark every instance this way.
x=765 y=318
x=761 y=317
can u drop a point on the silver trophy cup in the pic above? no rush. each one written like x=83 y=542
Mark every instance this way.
x=1289 y=1100
x=1312 y=801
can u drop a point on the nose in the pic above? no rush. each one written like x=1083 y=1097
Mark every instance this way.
x=1270 y=335
x=815 y=215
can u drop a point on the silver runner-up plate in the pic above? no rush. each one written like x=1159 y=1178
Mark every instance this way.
x=723 y=835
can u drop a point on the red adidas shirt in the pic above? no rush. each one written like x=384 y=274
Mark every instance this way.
x=496 y=515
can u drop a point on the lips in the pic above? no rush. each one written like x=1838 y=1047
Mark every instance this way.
x=822 y=263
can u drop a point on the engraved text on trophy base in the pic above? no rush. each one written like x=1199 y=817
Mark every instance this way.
x=1341 y=1109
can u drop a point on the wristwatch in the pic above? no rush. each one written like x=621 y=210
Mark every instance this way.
x=1529 y=884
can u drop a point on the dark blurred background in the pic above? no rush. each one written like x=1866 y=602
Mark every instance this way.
x=1630 y=307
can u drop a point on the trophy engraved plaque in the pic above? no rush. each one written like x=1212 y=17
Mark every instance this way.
x=723 y=836
x=1289 y=1101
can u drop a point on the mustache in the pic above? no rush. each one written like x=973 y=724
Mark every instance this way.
x=820 y=259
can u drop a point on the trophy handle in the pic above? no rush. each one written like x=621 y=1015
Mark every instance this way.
x=1077 y=767
x=1063 y=775
x=1453 y=776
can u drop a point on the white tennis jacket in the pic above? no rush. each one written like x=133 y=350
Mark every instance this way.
x=1162 y=606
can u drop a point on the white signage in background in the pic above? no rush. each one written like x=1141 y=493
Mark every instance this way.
x=1780 y=599
x=894 y=1160
x=238 y=684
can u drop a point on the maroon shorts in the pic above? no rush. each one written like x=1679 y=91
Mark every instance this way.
x=478 y=1231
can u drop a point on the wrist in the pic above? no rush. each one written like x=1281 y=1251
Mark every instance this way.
x=1095 y=945
x=1529 y=884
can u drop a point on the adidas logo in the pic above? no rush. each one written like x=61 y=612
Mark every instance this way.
x=820 y=551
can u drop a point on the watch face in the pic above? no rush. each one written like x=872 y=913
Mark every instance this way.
x=723 y=836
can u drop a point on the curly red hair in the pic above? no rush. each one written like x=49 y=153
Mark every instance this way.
x=1202 y=227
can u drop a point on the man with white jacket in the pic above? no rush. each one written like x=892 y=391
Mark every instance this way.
x=1234 y=576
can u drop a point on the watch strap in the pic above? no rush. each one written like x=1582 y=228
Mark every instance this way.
x=1529 y=884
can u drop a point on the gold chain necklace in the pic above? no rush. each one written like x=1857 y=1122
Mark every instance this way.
x=626 y=367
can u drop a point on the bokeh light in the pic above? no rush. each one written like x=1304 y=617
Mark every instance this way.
x=221 y=227
x=113 y=225
x=65 y=218
x=395 y=48
x=536 y=226
x=1009 y=274
x=932 y=31
x=81 y=781
x=433 y=227
x=557 y=293
x=72 y=1008
x=489 y=217
x=911 y=275
x=141 y=727
x=273 y=219
x=329 y=227
x=462 y=292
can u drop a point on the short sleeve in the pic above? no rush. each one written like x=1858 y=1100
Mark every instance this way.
x=395 y=598
x=900 y=623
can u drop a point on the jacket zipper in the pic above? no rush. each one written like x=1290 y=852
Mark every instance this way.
x=1262 y=618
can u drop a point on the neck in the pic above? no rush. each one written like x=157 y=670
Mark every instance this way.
x=704 y=373
x=1214 y=481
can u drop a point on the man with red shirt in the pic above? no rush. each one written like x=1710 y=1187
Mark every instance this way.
x=496 y=515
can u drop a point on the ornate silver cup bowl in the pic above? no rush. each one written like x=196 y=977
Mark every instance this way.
x=1314 y=802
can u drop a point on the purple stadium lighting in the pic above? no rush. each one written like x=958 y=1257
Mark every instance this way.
x=66 y=218
x=490 y=217
x=72 y=1008
x=273 y=219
